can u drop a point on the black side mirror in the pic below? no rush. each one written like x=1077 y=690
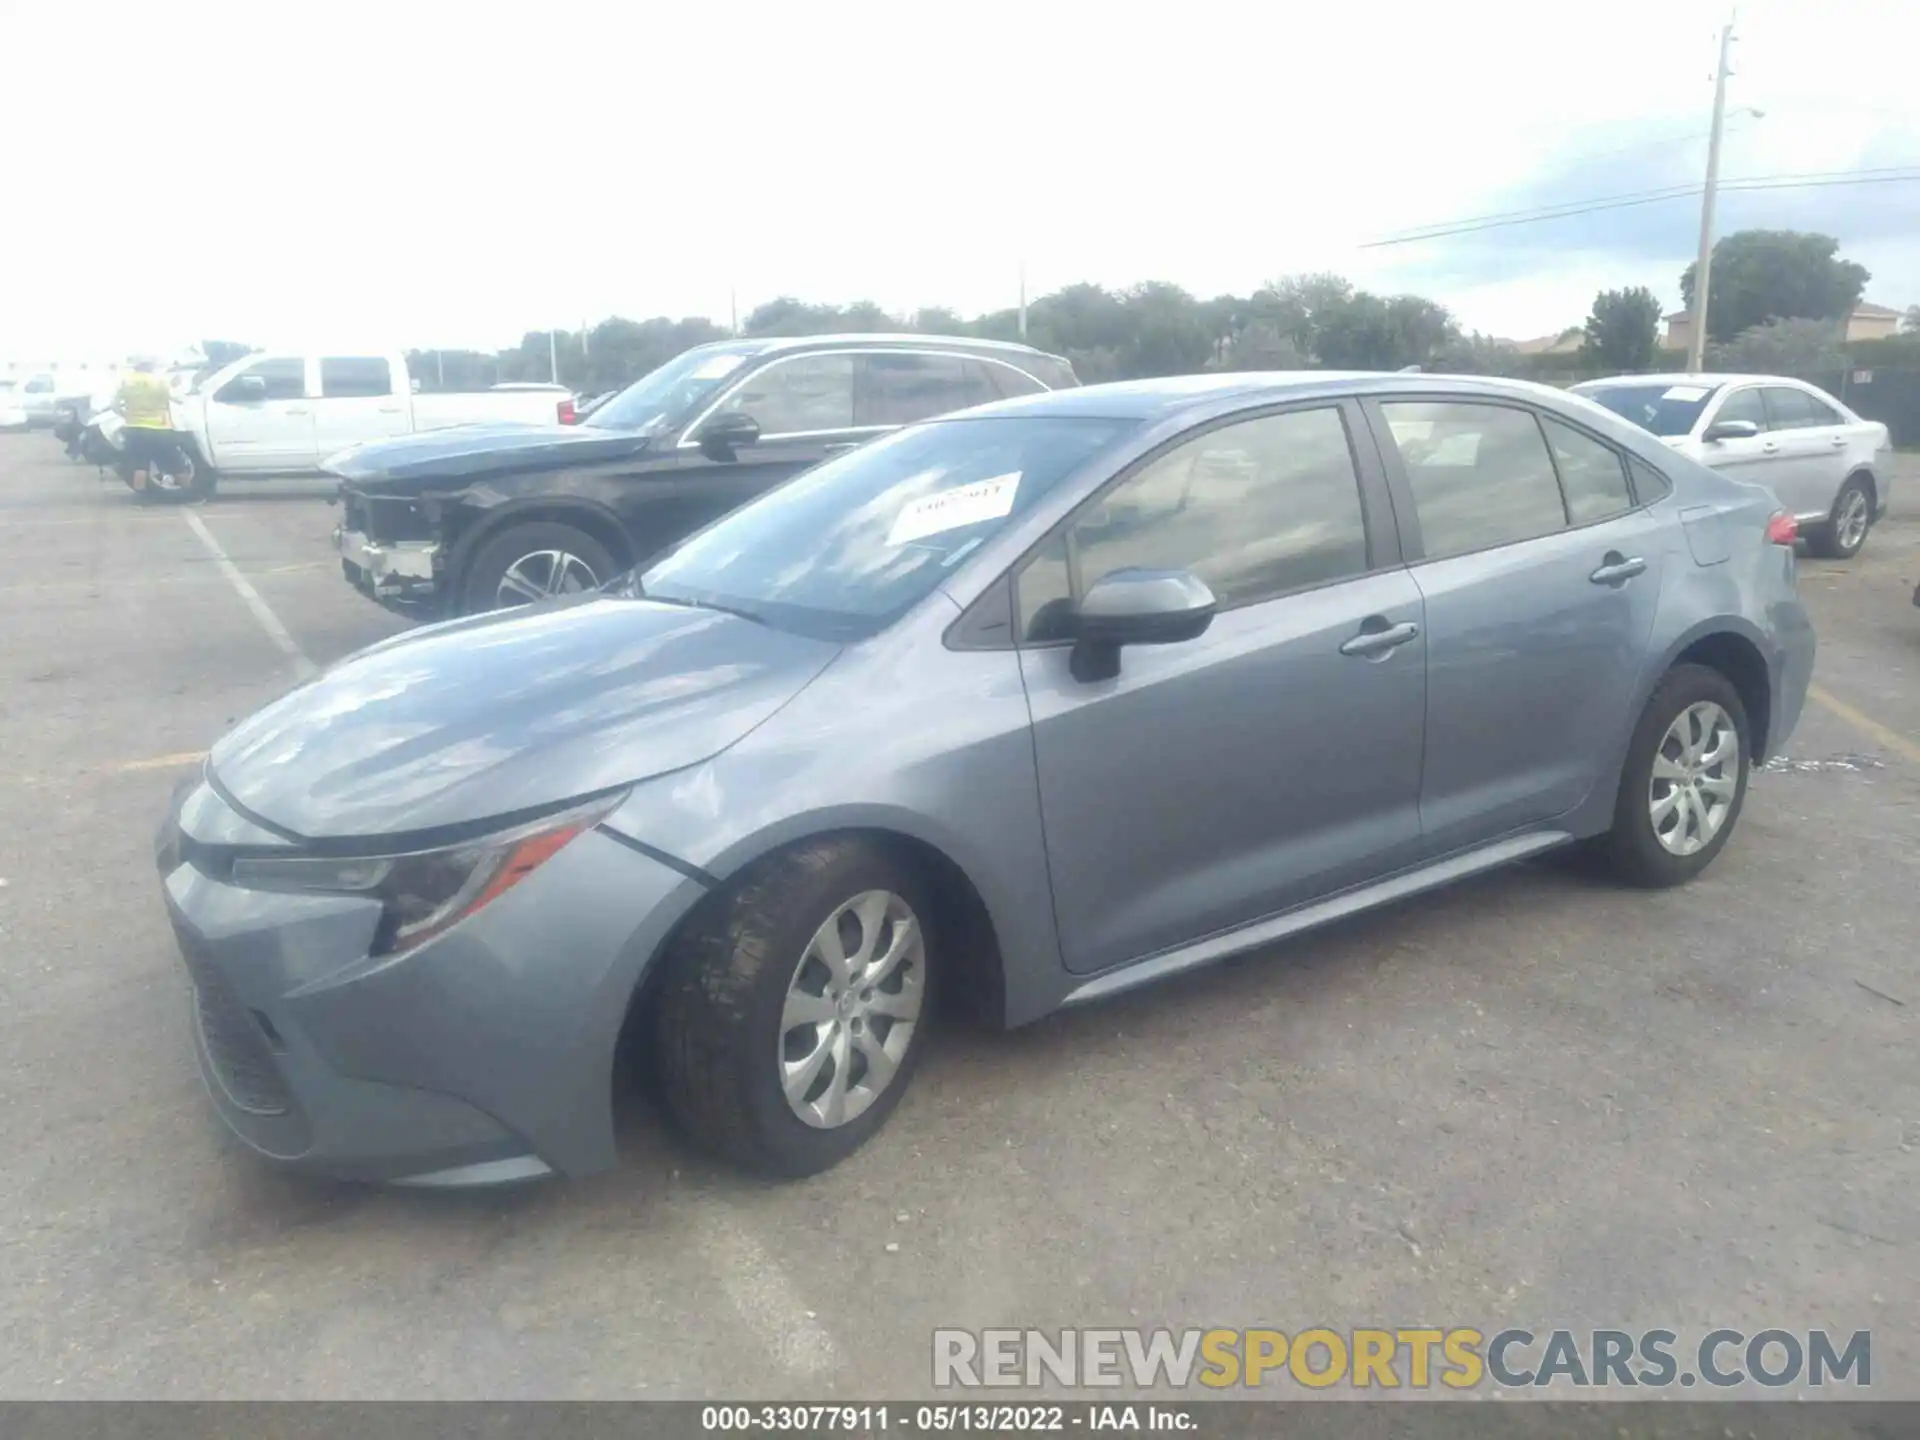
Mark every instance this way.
x=724 y=434
x=1136 y=607
x=245 y=390
x=1731 y=430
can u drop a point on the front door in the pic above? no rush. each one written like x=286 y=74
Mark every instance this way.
x=1540 y=579
x=1759 y=460
x=803 y=406
x=1262 y=765
x=270 y=431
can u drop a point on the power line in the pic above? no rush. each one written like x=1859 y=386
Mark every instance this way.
x=1886 y=175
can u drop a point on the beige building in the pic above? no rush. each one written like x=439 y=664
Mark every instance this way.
x=1867 y=322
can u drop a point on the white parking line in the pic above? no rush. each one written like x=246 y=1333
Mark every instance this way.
x=269 y=622
x=763 y=1297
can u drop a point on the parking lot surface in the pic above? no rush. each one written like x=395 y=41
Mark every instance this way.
x=1533 y=1100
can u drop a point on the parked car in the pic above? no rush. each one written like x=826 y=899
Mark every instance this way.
x=1827 y=465
x=469 y=521
x=278 y=413
x=13 y=406
x=1023 y=707
x=35 y=397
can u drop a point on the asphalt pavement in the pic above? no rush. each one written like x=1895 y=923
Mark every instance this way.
x=1532 y=1100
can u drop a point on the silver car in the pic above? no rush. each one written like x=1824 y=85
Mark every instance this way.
x=1014 y=710
x=1828 y=467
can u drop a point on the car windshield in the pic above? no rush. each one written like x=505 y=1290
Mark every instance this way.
x=1660 y=409
x=842 y=550
x=671 y=391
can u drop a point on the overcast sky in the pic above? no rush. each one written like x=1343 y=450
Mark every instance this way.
x=413 y=173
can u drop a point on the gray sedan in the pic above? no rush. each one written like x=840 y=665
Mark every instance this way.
x=1011 y=710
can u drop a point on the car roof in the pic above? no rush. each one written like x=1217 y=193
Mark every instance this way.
x=1699 y=379
x=1159 y=399
x=881 y=340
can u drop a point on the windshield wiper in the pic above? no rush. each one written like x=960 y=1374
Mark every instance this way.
x=638 y=592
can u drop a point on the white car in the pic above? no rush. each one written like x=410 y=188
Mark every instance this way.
x=13 y=406
x=1822 y=461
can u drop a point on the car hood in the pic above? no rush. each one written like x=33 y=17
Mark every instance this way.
x=461 y=453
x=507 y=712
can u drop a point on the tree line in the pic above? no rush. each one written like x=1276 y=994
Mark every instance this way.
x=1777 y=302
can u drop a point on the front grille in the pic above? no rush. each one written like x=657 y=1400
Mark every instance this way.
x=235 y=1046
x=386 y=519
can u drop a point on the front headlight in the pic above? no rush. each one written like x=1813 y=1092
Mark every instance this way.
x=426 y=892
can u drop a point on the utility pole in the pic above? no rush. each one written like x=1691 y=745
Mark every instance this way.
x=553 y=355
x=733 y=312
x=1703 y=266
x=1023 y=301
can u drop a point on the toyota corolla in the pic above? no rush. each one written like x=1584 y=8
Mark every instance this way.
x=1016 y=710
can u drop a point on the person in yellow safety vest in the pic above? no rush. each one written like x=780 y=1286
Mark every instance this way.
x=146 y=404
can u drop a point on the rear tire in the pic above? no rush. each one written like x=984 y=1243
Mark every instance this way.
x=527 y=553
x=1644 y=848
x=1846 y=527
x=733 y=1042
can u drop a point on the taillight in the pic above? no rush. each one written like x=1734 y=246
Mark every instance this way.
x=567 y=414
x=1782 y=529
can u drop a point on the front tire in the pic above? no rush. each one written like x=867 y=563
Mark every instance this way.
x=1845 y=531
x=533 y=562
x=792 y=1014
x=1684 y=782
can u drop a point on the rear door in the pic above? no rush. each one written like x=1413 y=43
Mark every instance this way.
x=360 y=399
x=1812 y=459
x=1540 y=578
x=269 y=432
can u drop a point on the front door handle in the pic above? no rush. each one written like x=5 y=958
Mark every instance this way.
x=1770 y=447
x=1617 y=569
x=1376 y=643
x=295 y=410
x=840 y=447
x=1839 y=442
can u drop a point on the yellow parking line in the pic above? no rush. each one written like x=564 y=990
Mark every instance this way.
x=1892 y=739
x=160 y=762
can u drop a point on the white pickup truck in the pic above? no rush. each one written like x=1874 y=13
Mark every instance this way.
x=276 y=413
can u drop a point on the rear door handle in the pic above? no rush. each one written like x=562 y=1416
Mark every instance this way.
x=295 y=410
x=1618 y=569
x=1372 y=644
x=840 y=447
x=1839 y=442
x=1770 y=447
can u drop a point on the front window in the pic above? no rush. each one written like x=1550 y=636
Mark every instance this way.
x=670 y=393
x=844 y=549
x=1659 y=409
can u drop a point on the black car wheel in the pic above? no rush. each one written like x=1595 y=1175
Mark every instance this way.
x=792 y=1010
x=534 y=562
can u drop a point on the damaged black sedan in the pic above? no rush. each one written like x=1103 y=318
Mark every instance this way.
x=476 y=518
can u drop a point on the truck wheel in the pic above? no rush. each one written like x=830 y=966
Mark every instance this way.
x=532 y=562
x=792 y=1010
x=184 y=480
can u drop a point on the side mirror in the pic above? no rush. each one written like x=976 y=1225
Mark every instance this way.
x=1136 y=607
x=724 y=434
x=1731 y=430
x=245 y=390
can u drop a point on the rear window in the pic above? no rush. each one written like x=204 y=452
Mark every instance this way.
x=1659 y=408
x=348 y=375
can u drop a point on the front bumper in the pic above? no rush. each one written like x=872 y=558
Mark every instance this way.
x=404 y=572
x=486 y=1055
x=12 y=418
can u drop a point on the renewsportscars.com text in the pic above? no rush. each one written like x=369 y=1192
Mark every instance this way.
x=1402 y=1357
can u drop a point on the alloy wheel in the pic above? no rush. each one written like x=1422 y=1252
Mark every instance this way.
x=542 y=574
x=1851 y=528
x=1696 y=776
x=852 y=1009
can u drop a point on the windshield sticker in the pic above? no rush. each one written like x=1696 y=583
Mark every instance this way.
x=718 y=367
x=951 y=509
x=1686 y=392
